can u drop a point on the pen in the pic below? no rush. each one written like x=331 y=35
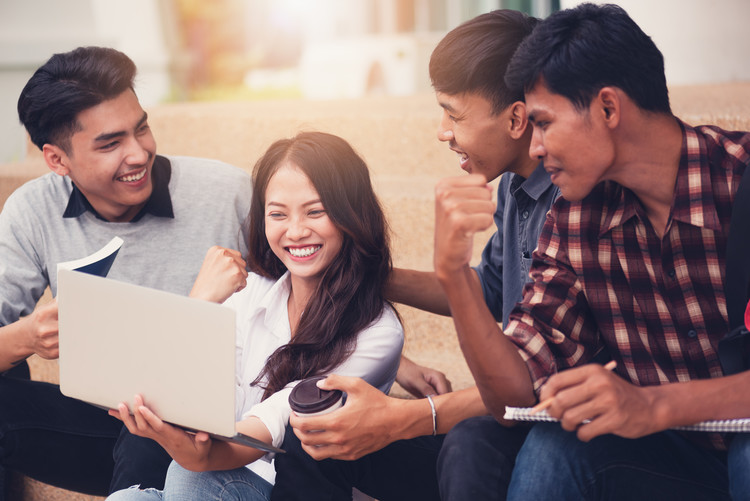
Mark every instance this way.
x=547 y=402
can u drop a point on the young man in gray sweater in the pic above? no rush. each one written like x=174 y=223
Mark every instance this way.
x=80 y=109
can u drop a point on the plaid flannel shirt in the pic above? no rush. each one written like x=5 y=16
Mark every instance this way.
x=603 y=279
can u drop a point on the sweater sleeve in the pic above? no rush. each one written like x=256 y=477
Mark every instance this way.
x=22 y=273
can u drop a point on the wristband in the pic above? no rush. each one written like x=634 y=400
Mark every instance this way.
x=434 y=415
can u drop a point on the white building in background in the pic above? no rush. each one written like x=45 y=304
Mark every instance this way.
x=32 y=30
x=334 y=49
x=350 y=49
x=353 y=48
x=702 y=41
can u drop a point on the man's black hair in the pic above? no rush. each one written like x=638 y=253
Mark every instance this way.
x=578 y=51
x=473 y=56
x=67 y=84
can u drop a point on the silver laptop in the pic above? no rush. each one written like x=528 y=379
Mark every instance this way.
x=119 y=339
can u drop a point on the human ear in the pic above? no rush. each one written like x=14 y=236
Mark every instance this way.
x=518 y=119
x=56 y=159
x=609 y=105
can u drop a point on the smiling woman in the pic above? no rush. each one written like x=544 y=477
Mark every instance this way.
x=311 y=303
x=313 y=198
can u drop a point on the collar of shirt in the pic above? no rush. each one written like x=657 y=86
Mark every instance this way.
x=159 y=203
x=536 y=184
x=273 y=307
x=693 y=201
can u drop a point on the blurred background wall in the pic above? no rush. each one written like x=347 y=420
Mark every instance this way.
x=188 y=50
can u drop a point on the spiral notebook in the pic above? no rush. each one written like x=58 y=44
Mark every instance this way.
x=719 y=426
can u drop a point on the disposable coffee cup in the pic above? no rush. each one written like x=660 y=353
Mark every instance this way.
x=307 y=399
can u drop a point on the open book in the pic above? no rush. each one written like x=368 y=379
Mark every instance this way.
x=722 y=425
x=97 y=263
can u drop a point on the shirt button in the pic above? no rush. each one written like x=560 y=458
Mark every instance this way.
x=525 y=214
x=671 y=273
x=692 y=333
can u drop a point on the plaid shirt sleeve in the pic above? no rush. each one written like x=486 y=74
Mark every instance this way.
x=553 y=326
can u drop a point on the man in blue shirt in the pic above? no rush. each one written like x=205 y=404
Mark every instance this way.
x=487 y=128
x=522 y=205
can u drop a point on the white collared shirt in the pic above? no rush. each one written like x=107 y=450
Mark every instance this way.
x=263 y=326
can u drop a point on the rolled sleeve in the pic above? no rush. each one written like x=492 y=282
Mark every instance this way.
x=274 y=413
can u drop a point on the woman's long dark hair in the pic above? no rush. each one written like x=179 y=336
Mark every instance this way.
x=350 y=293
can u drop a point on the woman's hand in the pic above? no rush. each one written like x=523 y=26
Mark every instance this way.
x=190 y=450
x=222 y=273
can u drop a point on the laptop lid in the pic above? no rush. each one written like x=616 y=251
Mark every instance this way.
x=119 y=339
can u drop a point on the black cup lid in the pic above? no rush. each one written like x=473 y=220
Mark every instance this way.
x=307 y=398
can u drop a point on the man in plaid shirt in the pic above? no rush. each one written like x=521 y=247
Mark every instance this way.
x=630 y=264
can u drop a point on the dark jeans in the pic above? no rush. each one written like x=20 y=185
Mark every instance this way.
x=477 y=458
x=474 y=461
x=405 y=470
x=554 y=464
x=70 y=444
x=739 y=467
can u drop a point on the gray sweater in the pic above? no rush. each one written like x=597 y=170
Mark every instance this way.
x=210 y=200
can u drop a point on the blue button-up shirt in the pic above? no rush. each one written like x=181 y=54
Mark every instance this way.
x=522 y=206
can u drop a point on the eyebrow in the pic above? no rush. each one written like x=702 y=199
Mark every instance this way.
x=533 y=115
x=108 y=136
x=447 y=107
x=279 y=204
